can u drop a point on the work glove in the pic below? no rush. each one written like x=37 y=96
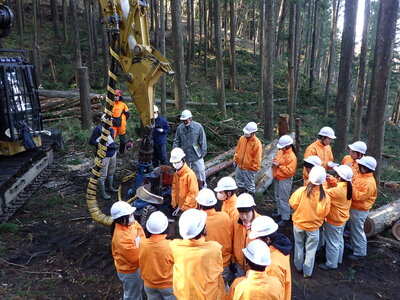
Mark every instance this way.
x=176 y=212
x=332 y=164
x=159 y=130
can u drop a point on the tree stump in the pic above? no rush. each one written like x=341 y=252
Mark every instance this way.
x=381 y=218
x=396 y=230
x=283 y=124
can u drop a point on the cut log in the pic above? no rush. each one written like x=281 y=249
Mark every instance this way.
x=381 y=218
x=283 y=124
x=218 y=168
x=219 y=158
x=396 y=230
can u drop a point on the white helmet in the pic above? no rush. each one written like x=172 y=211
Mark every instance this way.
x=344 y=171
x=328 y=132
x=121 y=208
x=206 y=197
x=155 y=108
x=359 y=147
x=157 y=222
x=262 y=226
x=176 y=155
x=186 y=114
x=191 y=223
x=245 y=201
x=317 y=175
x=285 y=140
x=367 y=161
x=258 y=252
x=314 y=160
x=250 y=127
x=226 y=184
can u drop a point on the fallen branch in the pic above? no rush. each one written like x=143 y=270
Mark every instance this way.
x=12 y=264
x=387 y=240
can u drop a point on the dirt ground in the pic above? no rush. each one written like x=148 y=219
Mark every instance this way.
x=58 y=252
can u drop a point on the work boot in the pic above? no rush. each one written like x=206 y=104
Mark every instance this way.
x=121 y=150
x=109 y=184
x=102 y=190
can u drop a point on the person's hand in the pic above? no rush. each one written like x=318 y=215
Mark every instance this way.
x=159 y=130
x=176 y=212
x=234 y=165
x=329 y=177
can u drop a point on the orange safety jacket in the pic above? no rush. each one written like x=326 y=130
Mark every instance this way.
x=184 y=188
x=119 y=110
x=256 y=285
x=240 y=240
x=364 y=192
x=156 y=262
x=229 y=206
x=197 y=269
x=310 y=212
x=340 y=205
x=281 y=271
x=323 y=152
x=287 y=161
x=353 y=164
x=248 y=153
x=219 y=229
x=125 y=247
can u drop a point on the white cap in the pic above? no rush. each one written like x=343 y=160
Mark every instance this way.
x=191 y=223
x=245 y=200
x=358 y=147
x=344 y=171
x=262 y=226
x=367 y=161
x=206 y=197
x=186 y=114
x=258 y=252
x=317 y=175
x=250 y=127
x=157 y=222
x=314 y=160
x=155 y=108
x=121 y=208
x=285 y=140
x=176 y=155
x=328 y=132
x=226 y=184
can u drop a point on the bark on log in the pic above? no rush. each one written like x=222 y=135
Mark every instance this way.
x=219 y=159
x=283 y=124
x=392 y=242
x=381 y=218
x=218 y=168
x=396 y=230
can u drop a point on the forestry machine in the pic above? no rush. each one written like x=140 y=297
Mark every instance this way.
x=142 y=66
x=24 y=150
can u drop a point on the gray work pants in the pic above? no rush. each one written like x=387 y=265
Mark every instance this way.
x=132 y=284
x=159 y=294
x=334 y=244
x=282 y=189
x=358 y=239
x=199 y=169
x=245 y=179
x=309 y=241
x=109 y=164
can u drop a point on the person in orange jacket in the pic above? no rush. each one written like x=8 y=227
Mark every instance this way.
x=126 y=235
x=308 y=164
x=155 y=259
x=241 y=228
x=247 y=159
x=339 y=213
x=198 y=263
x=226 y=188
x=321 y=148
x=184 y=184
x=284 y=167
x=257 y=284
x=364 y=196
x=219 y=227
x=120 y=114
x=311 y=205
x=357 y=151
x=265 y=229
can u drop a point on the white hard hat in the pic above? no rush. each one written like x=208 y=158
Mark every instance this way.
x=245 y=200
x=367 y=161
x=262 y=226
x=155 y=108
x=258 y=252
x=317 y=175
x=226 y=184
x=186 y=114
x=285 y=140
x=359 y=147
x=121 y=208
x=250 y=127
x=176 y=155
x=328 y=132
x=191 y=223
x=314 y=160
x=206 y=197
x=157 y=222
x=344 y=171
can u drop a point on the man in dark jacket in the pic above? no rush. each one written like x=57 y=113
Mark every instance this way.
x=161 y=130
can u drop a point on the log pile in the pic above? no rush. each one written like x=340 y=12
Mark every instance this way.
x=382 y=218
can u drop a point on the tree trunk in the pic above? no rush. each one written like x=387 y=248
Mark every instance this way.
x=291 y=73
x=95 y=22
x=396 y=230
x=162 y=50
x=385 y=35
x=268 y=73
x=104 y=47
x=192 y=32
x=180 y=83
x=361 y=74
x=280 y=27
x=188 y=38
x=64 y=19
x=54 y=16
x=20 y=17
x=262 y=61
x=297 y=43
x=75 y=31
x=206 y=37
x=313 y=47
x=343 y=99
x=232 y=56
x=219 y=76
x=379 y=219
x=89 y=34
x=84 y=87
x=156 y=25
x=36 y=53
